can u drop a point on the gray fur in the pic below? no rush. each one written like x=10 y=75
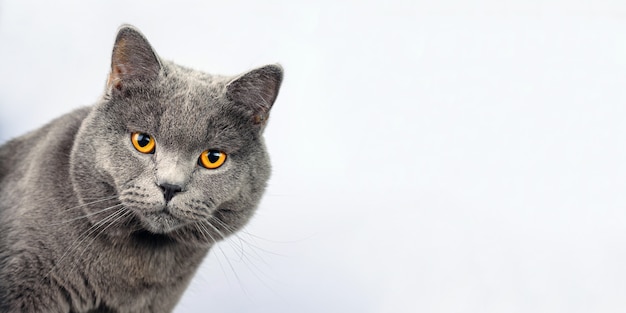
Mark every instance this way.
x=83 y=226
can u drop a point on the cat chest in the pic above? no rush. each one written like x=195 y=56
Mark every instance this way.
x=147 y=266
x=130 y=278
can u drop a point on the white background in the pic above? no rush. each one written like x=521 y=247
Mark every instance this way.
x=429 y=156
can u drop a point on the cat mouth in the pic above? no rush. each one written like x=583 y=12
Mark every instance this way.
x=161 y=222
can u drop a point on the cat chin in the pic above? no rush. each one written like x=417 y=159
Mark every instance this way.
x=160 y=222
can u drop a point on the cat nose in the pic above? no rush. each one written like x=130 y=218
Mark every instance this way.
x=169 y=190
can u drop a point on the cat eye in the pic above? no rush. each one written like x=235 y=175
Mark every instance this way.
x=212 y=159
x=143 y=142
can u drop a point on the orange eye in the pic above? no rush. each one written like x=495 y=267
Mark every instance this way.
x=143 y=142
x=212 y=159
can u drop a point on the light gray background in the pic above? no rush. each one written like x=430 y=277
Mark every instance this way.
x=429 y=156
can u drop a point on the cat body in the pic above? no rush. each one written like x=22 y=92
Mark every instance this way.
x=111 y=208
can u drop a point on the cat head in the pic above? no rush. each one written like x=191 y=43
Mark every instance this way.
x=179 y=151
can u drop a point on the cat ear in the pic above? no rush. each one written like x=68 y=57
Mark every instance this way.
x=256 y=91
x=133 y=58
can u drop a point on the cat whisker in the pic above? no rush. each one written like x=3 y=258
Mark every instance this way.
x=242 y=251
x=232 y=268
x=88 y=215
x=251 y=260
x=245 y=257
x=202 y=230
x=223 y=237
x=80 y=239
x=109 y=223
x=236 y=234
x=215 y=241
x=90 y=203
x=203 y=233
x=116 y=217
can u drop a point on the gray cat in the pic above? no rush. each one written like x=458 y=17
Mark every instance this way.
x=111 y=208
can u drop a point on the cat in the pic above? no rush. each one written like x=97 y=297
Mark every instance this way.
x=112 y=207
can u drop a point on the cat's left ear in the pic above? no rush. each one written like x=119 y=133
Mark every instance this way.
x=133 y=58
x=256 y=91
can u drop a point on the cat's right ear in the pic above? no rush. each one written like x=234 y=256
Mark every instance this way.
x=133 y=59
x=256 y=91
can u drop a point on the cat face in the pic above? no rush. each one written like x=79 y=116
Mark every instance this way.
x=179 y=149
